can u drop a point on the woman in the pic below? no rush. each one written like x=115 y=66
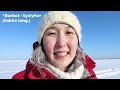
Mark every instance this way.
x=35 y=45
x=59 y=55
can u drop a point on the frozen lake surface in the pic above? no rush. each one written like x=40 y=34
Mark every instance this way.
x=105 y=68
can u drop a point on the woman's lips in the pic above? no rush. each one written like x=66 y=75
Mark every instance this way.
x=60 y=55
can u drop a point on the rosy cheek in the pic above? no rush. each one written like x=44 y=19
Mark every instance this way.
x=48 y=45
x=73 y=41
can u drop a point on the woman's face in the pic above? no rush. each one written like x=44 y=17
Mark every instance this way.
x=60 y=44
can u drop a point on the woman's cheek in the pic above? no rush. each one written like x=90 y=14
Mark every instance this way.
x=73 y=41
x=48 y=44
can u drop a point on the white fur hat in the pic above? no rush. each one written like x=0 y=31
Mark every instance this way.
x=59 y=16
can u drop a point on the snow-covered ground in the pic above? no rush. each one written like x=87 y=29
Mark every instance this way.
x=105 y=68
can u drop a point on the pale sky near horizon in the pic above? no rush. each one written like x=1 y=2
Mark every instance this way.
x=100 y=34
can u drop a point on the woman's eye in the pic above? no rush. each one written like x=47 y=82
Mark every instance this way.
x=69 y=33
x=51 y=34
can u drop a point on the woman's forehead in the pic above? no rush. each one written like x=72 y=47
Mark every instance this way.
x=59 y=22
x=54 y=25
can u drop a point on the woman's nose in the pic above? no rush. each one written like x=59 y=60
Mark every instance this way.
x=61 y=41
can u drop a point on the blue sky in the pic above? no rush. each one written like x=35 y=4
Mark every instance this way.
x=100 y=34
